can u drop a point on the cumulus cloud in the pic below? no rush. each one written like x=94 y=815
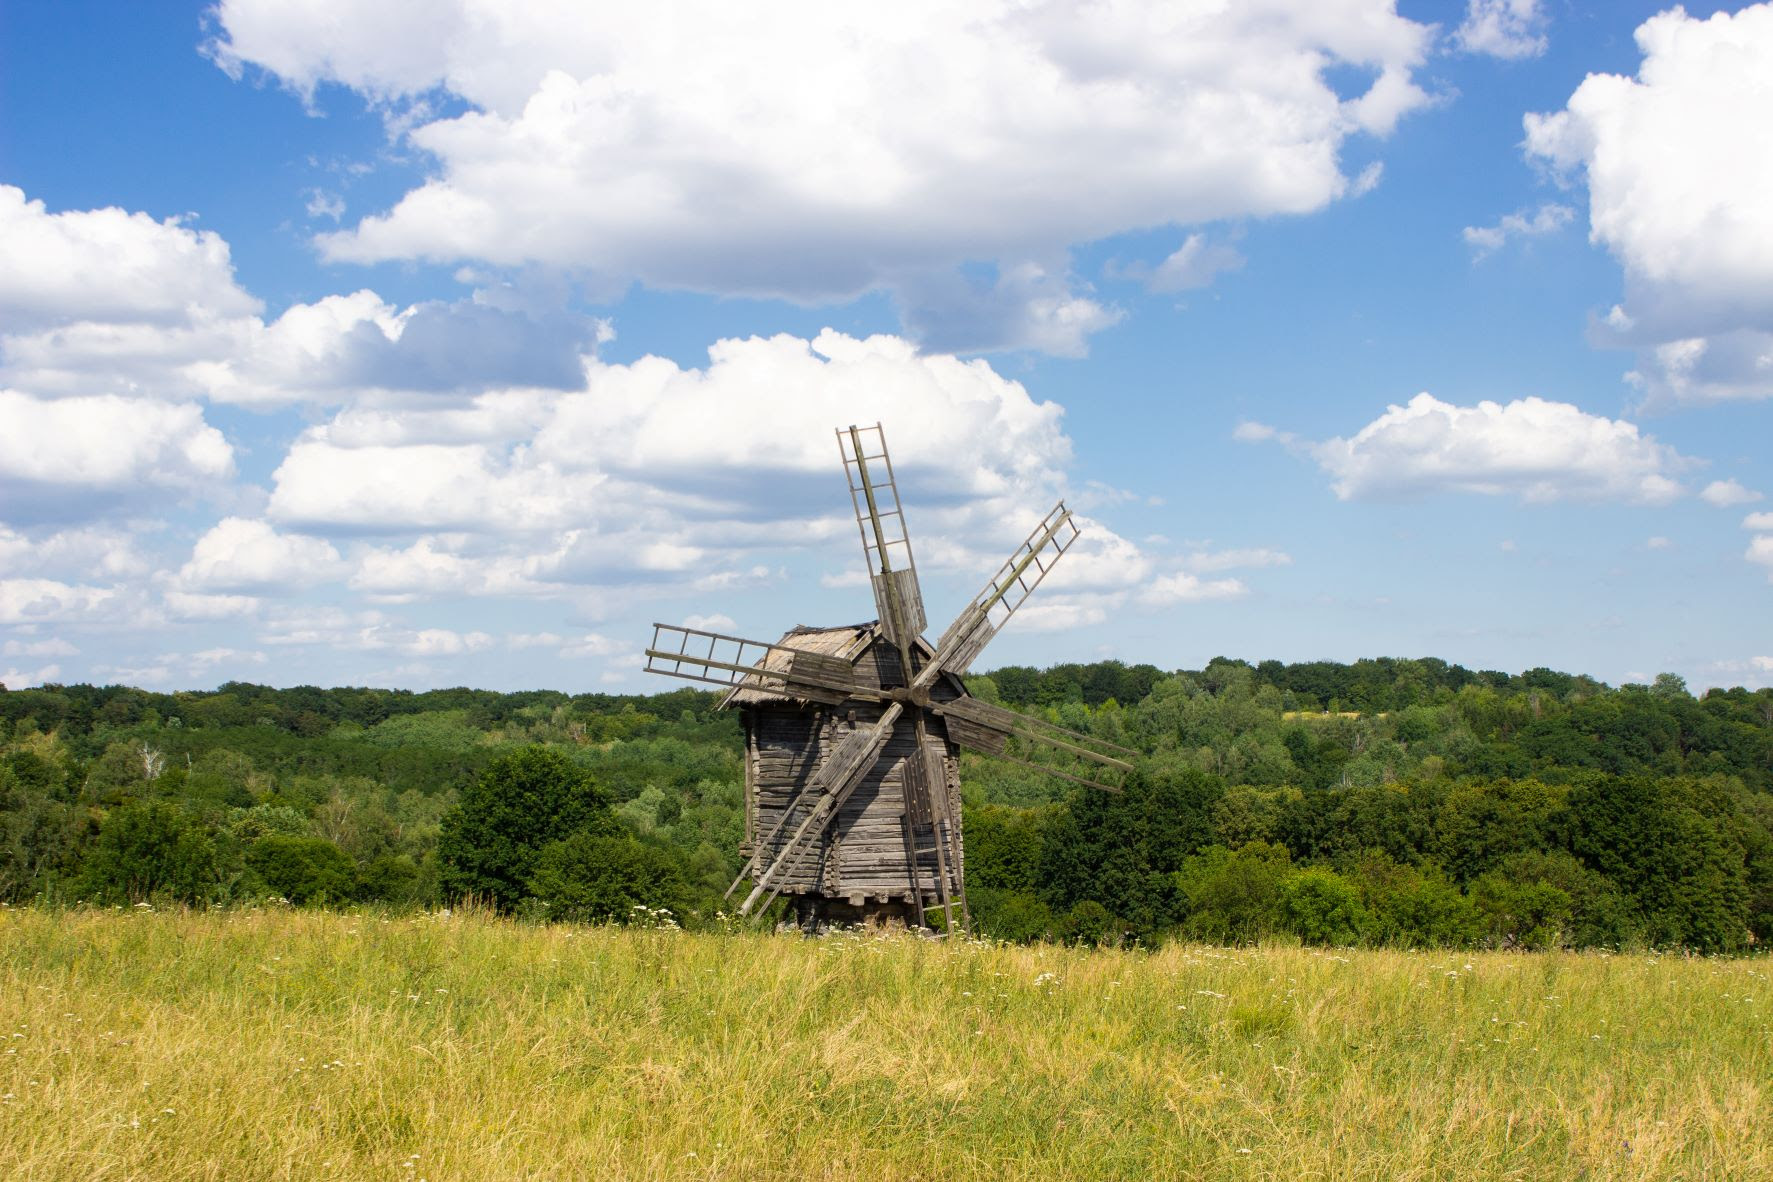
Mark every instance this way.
x=1531 y=448
x=49 y=601
x=61 y=456
x=198 y=606
x=816 y=152
x=1728 y=493
x=720 y=455
x=240 y=555
x=109 y=303
x=1487 y=240
x=1760 y=552
x=82 y=552
x=17 y=679
x=1183 y=587
x=109 y=265
x=1508 y=29
x=1678 y=162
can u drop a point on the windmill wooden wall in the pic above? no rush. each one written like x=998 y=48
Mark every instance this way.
x=861 y=861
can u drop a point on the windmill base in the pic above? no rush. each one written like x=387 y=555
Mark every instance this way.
x=817 y=914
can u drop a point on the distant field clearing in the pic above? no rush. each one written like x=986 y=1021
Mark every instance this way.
x=260 y=1045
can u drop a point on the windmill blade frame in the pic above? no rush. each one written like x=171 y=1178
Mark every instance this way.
x=886 y=540
x=1003 y=593
x=737 y=663
x=989 y=730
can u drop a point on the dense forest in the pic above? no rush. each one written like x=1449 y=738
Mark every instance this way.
x=1404 y=802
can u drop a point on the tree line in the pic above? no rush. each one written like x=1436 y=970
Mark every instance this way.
x=1408 y=802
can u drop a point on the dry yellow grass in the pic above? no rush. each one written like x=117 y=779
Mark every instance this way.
x=261 y=1045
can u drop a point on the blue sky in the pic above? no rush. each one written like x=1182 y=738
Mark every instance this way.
x=431 y=344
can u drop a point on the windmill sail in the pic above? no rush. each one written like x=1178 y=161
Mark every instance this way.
x=1036 y=743
x=732 y=661
x=886 y=544
x=1004 y=592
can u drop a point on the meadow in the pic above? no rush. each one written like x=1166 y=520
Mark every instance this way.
x=279 y=1043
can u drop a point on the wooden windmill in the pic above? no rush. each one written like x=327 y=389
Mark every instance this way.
x=852 y=784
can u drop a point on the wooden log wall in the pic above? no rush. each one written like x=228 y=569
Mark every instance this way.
x=862 y=856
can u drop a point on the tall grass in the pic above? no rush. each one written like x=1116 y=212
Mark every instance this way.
x=278 y=1044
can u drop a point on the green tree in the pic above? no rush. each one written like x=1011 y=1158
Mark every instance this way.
x=524 y=801
x=148 y=849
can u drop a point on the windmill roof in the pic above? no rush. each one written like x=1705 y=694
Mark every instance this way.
x=847 y=642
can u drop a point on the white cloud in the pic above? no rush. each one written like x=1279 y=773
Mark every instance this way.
x=83 y=552
x=241 y=555
x=1724 y=367
x=189 y=605
x=1530 y=448
x=1547 y=219
x=816 y=151
x=47 y=601
x=1183 y=587
x=1760 y=552
x=439 y=642
x=1726 y=494
x=1509 y=29
x=593 y=644
x=108 y=264
x=1678 y=162
x=438 y=566
x=1063 y=613
x=104 y=302
x=1758 y=521
x=1657 y=543
x=1194 y=264
x=711 y=623
x=650 y=466
x=55 y=646
x=416 y=488
x=227 y=656
x=17 y=679
x=53 y=451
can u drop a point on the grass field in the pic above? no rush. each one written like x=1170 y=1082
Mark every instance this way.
x=277 y=1044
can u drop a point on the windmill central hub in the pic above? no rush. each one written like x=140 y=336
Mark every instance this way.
x=910 y=695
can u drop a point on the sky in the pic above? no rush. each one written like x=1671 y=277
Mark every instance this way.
x=453 y=342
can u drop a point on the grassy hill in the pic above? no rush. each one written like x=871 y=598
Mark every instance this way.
x=278 y=1043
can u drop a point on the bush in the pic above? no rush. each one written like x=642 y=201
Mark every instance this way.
x=1089 y=922
x=391 y=878
x=1233 y=897
x=303 y=869
x=1321 y=907
x=1415 y=908
x=151 y=849
x=1016 y=916
x=595 y=878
